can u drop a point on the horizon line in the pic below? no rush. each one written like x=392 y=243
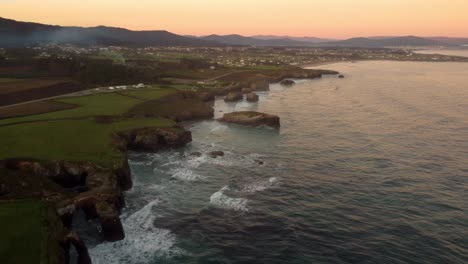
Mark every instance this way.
x=246 y=35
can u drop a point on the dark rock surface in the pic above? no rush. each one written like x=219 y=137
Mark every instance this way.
x=250 y=118
x=155 y=139
x=215 y=154
x=246 y=90
x=287 y=82
x=252 y=97
x=233 y=97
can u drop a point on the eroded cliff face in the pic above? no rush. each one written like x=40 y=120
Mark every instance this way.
x=96 y=190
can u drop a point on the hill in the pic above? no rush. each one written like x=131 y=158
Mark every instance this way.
x=385 y=42
x=303 y=39
x=250 y=41
x=19 y=34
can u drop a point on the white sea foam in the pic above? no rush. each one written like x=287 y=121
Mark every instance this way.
x=221 y=200
x=185 y=174
x=142 y=244
x=260 y=185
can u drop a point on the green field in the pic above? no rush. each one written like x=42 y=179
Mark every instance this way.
x=75 y=134
x=27 y=233
x=109 y=104
x=71 y=140
x=16 y=85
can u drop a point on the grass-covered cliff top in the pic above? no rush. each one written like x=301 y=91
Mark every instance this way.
x=30 y=230
x=76 y=133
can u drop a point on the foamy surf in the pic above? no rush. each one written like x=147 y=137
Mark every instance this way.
x=143 y=242
x=260 y=185
x=185 y=174
x=219 y=199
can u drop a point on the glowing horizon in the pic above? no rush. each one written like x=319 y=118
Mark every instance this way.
x=337 y=19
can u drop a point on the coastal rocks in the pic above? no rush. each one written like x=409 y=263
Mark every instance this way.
x=215 y=154
x=155 y=139
x=259 y=83
x=250 y=118
x=181 y=106
x=252 y=97
x=287 y=82
x=341 y=76
x=246 y=91
x=83 y=255
x=233 y=97
x=109 y=217
x=105 y=204
x=196 y=154
x=206 y=96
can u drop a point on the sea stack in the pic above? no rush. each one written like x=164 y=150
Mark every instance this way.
x=251 y=118
x=233 y=97
x=252 y=97
x=287 y=82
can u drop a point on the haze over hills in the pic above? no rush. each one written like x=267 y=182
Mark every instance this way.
x=19 y=34
x=251 y=41
x=304 y=39
x=376 y=42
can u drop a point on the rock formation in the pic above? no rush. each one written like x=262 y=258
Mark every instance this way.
x=252 y=97
x=215 y=154
x=250 y=118
x=155 y=139
x=287 y=82
x=246 y=91
x=233 y=97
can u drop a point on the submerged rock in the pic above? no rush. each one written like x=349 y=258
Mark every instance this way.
x=196 y=154
x=215 y=154
x=287 y=82
x=252 y=97
x=233 y=97
x=251 y=118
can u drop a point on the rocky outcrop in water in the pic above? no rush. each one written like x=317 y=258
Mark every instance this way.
x=246 y=90
x=155 y=139
x=233 y=97
x=83 y=255
x=215 y=154
x=341 y=76
x=250 y=118
x=287 y=82
x=252 y=97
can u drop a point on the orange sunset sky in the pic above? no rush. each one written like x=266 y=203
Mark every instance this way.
x=324 y=18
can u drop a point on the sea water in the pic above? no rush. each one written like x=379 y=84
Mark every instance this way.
x=372 y=168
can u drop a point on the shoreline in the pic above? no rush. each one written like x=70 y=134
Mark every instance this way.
x=313 y=65
x=102 y=195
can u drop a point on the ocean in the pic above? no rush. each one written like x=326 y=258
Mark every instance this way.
x=372 y=168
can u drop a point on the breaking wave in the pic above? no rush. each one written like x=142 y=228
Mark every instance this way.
x=142 y=244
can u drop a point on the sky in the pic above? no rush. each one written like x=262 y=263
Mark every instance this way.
x=324 y=18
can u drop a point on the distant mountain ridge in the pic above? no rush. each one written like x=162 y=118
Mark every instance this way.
x=19 y=34
x=250 y=41
x=16 y=34
x=377 y=42
x=303 y=39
